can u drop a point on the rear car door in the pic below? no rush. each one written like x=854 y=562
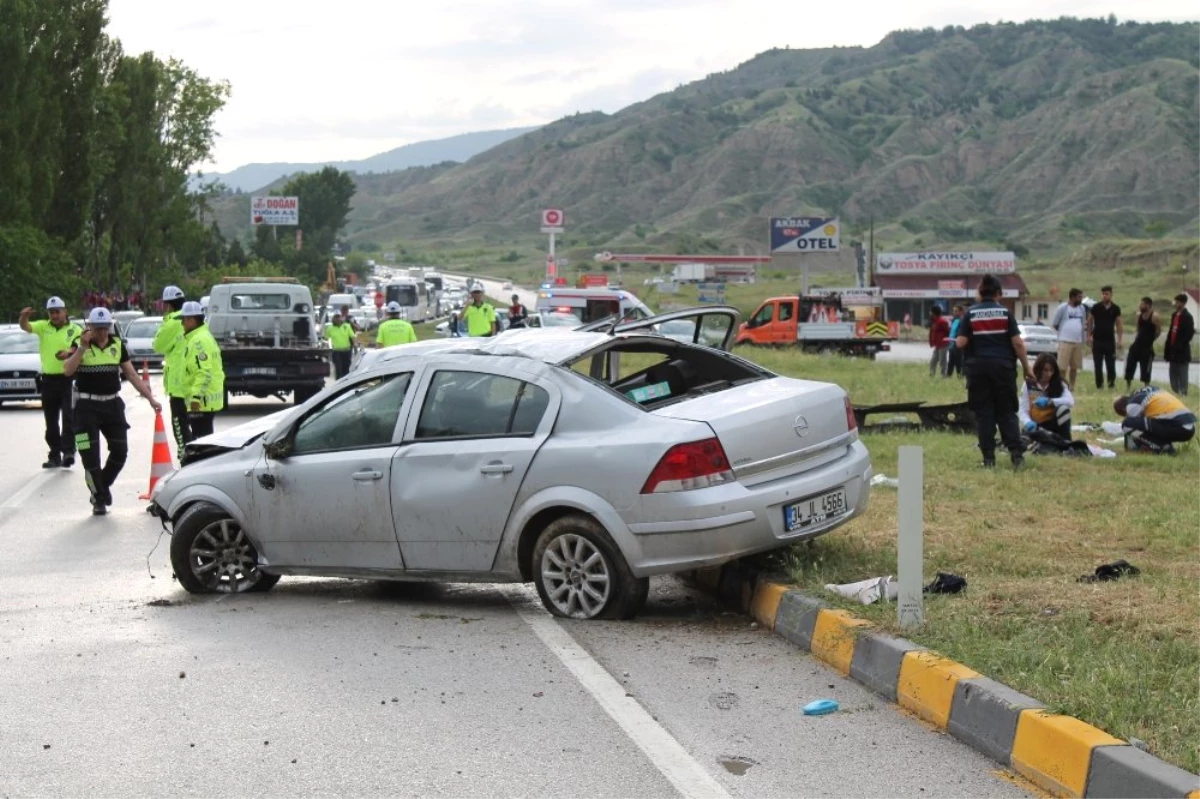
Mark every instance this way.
x=467 y=447
x=321 y=496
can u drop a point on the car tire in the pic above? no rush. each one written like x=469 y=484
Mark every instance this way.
x=211 y=555
x=574 y=583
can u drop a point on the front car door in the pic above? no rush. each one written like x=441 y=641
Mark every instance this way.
x=321 y=496
x=467 y=447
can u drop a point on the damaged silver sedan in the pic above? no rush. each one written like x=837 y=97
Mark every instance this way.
x=583 y=461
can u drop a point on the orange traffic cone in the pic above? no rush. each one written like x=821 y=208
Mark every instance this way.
x=146 y=371
x=160 y=458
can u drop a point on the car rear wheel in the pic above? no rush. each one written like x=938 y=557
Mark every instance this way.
x=580 y=573
x=212 y=555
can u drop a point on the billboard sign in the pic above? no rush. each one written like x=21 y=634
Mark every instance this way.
x=798 y=234
x=274 y=210
x=945 y=263
x=851 y=296
x=552 y=220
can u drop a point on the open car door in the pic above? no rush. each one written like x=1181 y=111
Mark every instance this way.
x=707 y=325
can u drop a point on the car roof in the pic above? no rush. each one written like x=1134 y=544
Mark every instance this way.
x=539 y=345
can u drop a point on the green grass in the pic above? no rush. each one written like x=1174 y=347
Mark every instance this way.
x=1124 y=655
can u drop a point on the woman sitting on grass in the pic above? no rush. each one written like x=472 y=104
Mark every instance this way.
x=1046 y=401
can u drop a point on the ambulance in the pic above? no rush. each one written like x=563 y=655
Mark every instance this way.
x=591 y=304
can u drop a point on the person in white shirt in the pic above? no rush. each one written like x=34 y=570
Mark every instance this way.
x=1070 y=320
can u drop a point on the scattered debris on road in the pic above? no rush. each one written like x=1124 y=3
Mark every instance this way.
x=821 y=707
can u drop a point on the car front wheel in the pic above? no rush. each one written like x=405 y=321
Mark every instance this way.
x=581 y=574
x=212 y=555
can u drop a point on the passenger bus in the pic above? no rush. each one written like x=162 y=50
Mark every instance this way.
x=416 y=302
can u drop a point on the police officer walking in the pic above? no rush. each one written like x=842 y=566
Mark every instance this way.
x=203 y=371
x=394 y=330
x=55 y=337
x=168 y=342
x=97 y=361
x=341 y=341
x=991 y=342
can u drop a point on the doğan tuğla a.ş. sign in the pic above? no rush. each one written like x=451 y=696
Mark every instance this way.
x=275 y=210
x=795 y=234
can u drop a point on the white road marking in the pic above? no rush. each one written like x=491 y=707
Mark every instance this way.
x=666 y=753
x=28 y=490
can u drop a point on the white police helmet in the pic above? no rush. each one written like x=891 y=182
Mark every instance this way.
x=393 y=307
x=55 y=303
x=100 y=317
x=192 y=308
x=172 y=293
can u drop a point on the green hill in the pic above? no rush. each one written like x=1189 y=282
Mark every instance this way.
x=1041 y=135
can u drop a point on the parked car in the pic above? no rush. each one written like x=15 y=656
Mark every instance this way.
x=19 y=366
x=123 y=318
x=585 y=462
x=139 y=342
x=1039 y=339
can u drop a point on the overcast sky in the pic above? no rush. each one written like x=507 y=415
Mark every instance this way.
x=315 y=80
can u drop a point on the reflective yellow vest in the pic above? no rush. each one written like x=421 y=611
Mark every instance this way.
x=203 y=371
x=395 y=331
x=53 y=340
x=168 y=342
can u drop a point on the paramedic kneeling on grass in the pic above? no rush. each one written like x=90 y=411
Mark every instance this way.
x=1046 y=401
x=1154 y=420
x=991 y=342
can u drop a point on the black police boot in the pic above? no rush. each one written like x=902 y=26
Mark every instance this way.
x=53 y=462
x=1018 y=460
x=989 y=462
x=68 y=460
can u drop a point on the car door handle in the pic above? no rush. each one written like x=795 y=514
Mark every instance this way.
x=367 y=474
x=496 y=468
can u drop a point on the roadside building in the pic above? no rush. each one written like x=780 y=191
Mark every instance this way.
x=913 y=282
x=1036 y=308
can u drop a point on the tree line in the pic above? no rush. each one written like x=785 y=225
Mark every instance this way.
x=97 y=152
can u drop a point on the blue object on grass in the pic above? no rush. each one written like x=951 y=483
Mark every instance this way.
x=820 y=707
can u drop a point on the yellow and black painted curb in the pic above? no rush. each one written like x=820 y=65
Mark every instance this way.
x=1060 y=754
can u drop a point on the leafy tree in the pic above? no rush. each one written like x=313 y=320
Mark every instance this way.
x=235 y=256
x=324 y=205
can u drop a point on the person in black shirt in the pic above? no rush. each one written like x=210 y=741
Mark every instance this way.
x=1105 y=332
x=990 y=341
x=1177 y=349
x=97 y=360
x=1141 y=351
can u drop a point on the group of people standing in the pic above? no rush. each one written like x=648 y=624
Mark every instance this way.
x=342 y=335
x=990 y=342
x=80 y=385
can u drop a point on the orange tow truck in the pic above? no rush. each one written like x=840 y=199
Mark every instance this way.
x=848 y=321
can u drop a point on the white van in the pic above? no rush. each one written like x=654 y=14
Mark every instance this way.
x=591 y=305
x=417 y=304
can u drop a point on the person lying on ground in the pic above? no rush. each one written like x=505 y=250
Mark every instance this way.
x=1154 y=420
x=1046 y=400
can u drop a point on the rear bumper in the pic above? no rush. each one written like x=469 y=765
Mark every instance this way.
x=708 y=527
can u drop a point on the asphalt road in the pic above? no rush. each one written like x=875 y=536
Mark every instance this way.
x=114 y=681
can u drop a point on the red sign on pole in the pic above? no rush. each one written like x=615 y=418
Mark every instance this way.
x=552 y=220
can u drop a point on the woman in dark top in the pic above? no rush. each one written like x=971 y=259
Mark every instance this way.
x=1141 y=352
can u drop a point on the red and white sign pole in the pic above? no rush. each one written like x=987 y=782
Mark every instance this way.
x=552 y=224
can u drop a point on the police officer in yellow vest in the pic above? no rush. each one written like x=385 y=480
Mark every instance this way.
x=168 y=342
x=97 y=361
x=55 y=337
x=394 y=330
x=341 y=340
x=203 y=371
x=480 y=316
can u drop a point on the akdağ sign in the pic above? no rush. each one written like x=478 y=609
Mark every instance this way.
x=274 y=210
x=795 y=234
x=945 y=263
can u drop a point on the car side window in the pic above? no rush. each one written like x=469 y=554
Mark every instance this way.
x=363 y=415
x=785 y=311
x=477 y=405
x=764 y=315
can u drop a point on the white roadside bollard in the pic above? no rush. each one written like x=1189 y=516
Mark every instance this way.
x=910 y=544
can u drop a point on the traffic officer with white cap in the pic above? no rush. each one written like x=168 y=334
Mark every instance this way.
x=97 y=361
x=394 y=330
x=203 y=372
x=168 y=342
x=55 y=337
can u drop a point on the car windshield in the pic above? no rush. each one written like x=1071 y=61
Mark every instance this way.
x=143 y=328
x=18 y=344
x=260 y=302
x=405 y=295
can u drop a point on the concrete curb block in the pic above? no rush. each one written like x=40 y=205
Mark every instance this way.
x=1059 y=754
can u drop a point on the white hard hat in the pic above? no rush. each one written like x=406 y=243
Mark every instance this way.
x=192 y=308
x=55 y=302
x=100 y=317
x=393 y=307
x=204 y=303
x=172 y=293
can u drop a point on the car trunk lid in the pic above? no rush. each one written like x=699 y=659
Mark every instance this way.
x=773 y=428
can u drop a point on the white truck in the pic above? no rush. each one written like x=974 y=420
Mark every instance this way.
x=692 y=273
x=268 y=339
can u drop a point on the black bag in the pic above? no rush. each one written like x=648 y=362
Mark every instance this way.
x=1044 y=442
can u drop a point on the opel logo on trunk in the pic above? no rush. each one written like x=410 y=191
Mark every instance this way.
x=800 y=426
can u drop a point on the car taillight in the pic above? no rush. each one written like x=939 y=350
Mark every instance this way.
x=851 y=422
x=697 y=464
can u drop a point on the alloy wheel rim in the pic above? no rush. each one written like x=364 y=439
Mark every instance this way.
x=223 y=559
x=576 y=576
